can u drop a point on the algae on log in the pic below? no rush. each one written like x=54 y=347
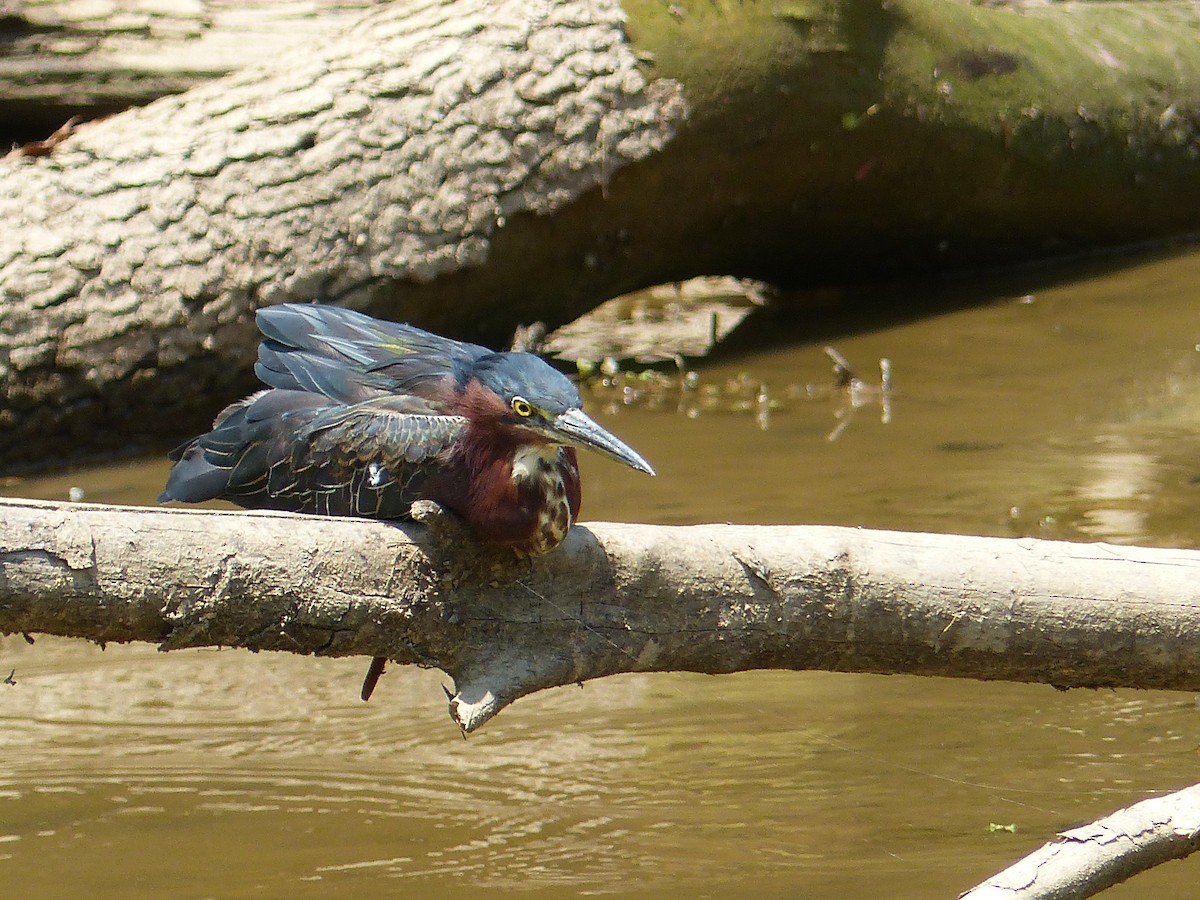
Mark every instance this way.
x=467 y=165
x=835 y=138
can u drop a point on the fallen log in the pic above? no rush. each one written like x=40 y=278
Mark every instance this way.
x=468 y=165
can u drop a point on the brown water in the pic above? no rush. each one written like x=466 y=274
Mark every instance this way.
x=1069 y=413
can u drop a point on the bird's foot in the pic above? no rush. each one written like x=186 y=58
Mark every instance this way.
x=442 y=523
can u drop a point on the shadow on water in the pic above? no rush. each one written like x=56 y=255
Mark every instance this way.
x=836 y=313
x=1064 y=407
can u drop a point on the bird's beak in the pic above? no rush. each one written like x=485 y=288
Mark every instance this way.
x=578 y=429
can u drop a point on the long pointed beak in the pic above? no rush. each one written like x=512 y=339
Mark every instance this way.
x=577 y=428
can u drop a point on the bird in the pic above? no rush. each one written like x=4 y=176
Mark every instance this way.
x=363 y=417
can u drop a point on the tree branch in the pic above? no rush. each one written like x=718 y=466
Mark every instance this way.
x=612 y=598
x=1086 y=860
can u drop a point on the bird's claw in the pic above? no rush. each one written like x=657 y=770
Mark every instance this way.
x=428 y=513
x=444 y=527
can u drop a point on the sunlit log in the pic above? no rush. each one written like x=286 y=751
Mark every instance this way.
x=472 y=164
x=1091 y=858
x=381 y=157
x=613 y=598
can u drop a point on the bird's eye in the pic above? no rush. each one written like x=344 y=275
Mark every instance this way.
x=522 y=407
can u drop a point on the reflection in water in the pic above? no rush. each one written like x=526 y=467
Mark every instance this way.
x=691 y=396
x=1065 y=412
x=1114 y=489
x=640 y=784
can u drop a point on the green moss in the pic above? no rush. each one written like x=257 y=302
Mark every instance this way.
x=1097 y=68
x=723 y=52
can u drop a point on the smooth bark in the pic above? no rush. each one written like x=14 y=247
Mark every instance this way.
x=613 y=598
x=624 y=598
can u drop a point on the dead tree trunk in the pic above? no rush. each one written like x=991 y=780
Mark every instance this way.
x=467 y=164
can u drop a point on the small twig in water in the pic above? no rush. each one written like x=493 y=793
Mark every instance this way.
x=843 y=372
x=858 y=392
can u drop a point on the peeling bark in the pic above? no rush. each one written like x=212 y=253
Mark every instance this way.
x=1087 y=860
x=612 y=598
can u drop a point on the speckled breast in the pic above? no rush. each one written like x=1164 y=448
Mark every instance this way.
x=538 y=472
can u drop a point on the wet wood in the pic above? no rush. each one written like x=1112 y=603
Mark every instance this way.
x=613 y=598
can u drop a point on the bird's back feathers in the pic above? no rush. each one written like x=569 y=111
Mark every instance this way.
x=355 y=411
x=350 y=357
x=299 y=451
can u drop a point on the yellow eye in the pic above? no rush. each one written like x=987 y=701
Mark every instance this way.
x=522 y=407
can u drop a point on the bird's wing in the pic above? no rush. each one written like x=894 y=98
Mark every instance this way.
x=370 y=459
x=351 y=357
x=385 y=429
x=297 y=451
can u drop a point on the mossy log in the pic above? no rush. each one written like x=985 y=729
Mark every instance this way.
x=468 y=165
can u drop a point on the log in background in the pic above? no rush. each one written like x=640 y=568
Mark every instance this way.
x=469 y=165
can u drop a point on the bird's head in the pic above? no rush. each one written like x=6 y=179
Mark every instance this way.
x=523 y=393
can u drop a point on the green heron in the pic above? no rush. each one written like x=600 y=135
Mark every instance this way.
x=362 y=417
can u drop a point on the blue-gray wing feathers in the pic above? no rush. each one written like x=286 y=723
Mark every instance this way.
x=355 y=420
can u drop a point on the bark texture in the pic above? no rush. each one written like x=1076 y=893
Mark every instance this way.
x=391 y=152
x=1087 y=860
x=468 y=164
x=62 y=58
x=612 y=598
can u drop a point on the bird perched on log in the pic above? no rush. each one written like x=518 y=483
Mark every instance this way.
x=363 y=417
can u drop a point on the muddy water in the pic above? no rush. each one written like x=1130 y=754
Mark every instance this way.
x=1061 y=410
